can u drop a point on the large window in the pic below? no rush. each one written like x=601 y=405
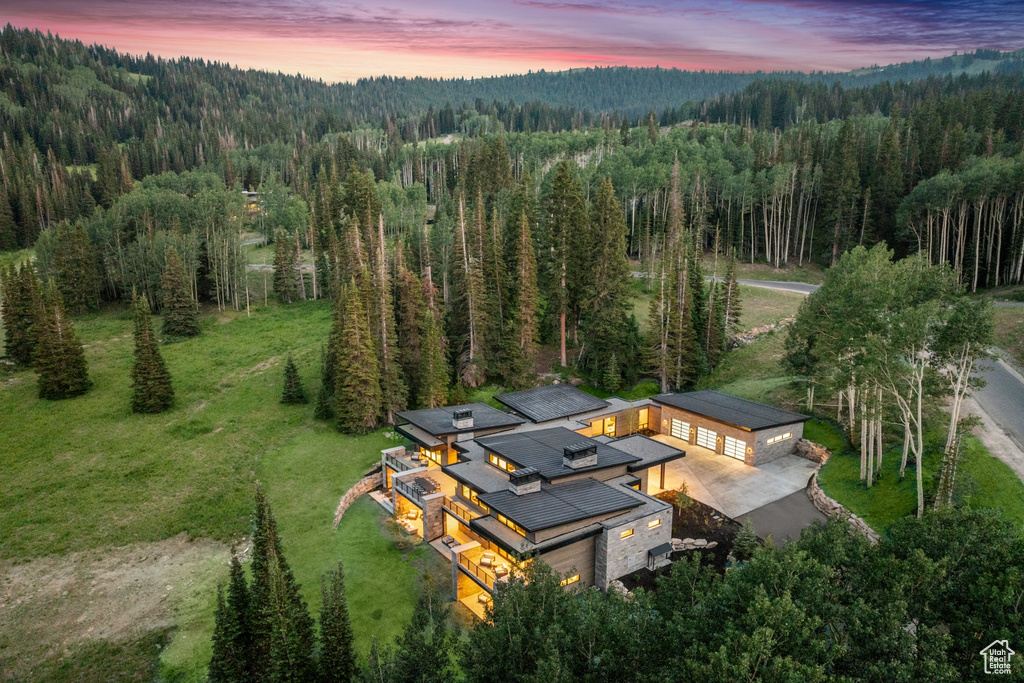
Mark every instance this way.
x=706 y=438
x=680 y=429
x=735 y=448
x=609 y=426
x=432 y=455
x=470 y=494
x=643 y=419
x=511 y=525
x=500 y=463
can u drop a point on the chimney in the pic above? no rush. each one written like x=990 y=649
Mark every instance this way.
x=462 y=418
x=578 y=455
x=524 y=480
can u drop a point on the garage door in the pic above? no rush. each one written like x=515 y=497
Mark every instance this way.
x=680 y=429
x=735 y=448
x=706 y=438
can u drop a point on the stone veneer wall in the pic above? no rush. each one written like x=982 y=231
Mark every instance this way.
x=371 y=482
x=616 y=556
x=832 y=508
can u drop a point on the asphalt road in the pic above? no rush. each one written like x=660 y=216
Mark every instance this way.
x=1002 y=398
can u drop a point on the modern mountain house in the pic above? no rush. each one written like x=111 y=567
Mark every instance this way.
x=564 y=477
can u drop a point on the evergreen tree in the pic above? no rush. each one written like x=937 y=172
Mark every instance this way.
x=75 y=268
x=624 y=132
x=58 y=356
x=612 y=379
x=293 y=392
x=434 y=370
x=181 y=314
x=151 y=382
x=8 y=228
x=652 y=127
x=426 y=650
x=19 y=307
x=393 y=389
x=731 y=297
x=522 y=355
x=232 y=636
x=322 y=407
x=357 y=398
x=606 y=317
x=409 y=307
x=284 y=267
x=467 y=314
x=282 y=631
x=337 y=663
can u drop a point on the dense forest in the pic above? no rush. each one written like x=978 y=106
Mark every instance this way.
x=508 y=233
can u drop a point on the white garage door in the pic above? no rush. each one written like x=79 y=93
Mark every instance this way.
x=706 y=438
x=680 y=429
x=735 y=448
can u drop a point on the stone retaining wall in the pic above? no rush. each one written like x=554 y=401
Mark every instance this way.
x=832 y=508
x=812 y=451
x=368 y=483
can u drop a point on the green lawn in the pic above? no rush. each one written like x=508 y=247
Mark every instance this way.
x=86 y=474
x=1009 y=332
x=761 y=306
x=990 y=482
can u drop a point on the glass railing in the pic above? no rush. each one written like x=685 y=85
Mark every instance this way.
x=460 y=510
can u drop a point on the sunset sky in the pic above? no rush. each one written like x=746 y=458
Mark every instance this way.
x=342 y=41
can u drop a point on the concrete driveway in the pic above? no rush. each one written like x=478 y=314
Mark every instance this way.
x=728 y=485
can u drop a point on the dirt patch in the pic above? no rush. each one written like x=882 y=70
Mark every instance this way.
x=52 y=606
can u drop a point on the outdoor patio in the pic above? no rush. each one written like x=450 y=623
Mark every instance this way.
x=727 y=484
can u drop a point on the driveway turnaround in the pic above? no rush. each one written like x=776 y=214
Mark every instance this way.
x=730 y=486
x=785 y=518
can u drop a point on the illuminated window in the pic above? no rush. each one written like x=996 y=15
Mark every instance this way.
x=572 y=579
x=643 y=422
x=654 y=525
x=500 y=463
x=433 y=456
x=470 y=494
x=780 y=437
x=626 y=534
x=609 y=426
x=511 y=525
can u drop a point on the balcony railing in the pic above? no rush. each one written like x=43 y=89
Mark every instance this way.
x=460 y=510
x=400 y=464
x=485 y=575
x=407 y=490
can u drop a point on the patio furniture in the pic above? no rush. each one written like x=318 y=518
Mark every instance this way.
x=412 y=514
x=448 y=540
x=483 y=598
x=426 y=485
x=487 y=560
x=501 y=569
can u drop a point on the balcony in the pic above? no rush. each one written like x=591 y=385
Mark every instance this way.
x=463 y=512
x=401 y=462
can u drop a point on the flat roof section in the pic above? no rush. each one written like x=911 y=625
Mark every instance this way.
x=420 y=436
x=552 y=402
x=555 y=505
x=733 y=410
x=649 y=451
x=438 y=421
x=544 y=449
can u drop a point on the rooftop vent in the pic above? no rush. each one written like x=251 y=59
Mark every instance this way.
x=582 y=454
x=524 y=480
x=462 y=418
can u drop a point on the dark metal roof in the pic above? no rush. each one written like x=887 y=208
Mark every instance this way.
x=559 y=504
x=544 y=449
x=660 y=550
x=552 y=402
x=420 y=436
x=649 y=451
x=731 y=409
x=438 y=421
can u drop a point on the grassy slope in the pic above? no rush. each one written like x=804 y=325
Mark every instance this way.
x=85 y=473
x=1009 y=332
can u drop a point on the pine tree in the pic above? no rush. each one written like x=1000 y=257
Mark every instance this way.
x=181 y=314
x=151 y=382
x=283 y=638
x=409 y=307
x=19 y=307
x=612 y=379
x=76 y=268
x=731 y=297
x=8 y=228
x=434 y=371
x=58 y=356
x=322 y=407
x=523 y=352
x=284 y=267
x=357 y=399
x=337 y=662
x=293 y=392
x=426 y=649
x=393 y=389
x=467 y=315
x=232 y=635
